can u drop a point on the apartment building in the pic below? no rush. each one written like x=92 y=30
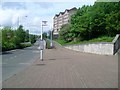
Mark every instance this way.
x=61 y=19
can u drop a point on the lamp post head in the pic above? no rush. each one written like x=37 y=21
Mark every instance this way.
x=44 y=23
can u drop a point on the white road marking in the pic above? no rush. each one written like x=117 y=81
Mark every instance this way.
x=21 y=54
x=38 y=48
x=25 y=63
x=4 y=63
x=13 y=50
x=15 y=56
x=11 y=57
x=36 y=51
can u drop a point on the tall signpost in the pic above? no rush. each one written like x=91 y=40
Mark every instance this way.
x=44 y=23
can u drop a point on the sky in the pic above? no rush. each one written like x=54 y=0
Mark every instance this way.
x=31 y=13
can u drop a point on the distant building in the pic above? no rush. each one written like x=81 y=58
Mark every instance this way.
x=61 y=19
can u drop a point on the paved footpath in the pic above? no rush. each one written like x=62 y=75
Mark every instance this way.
x=64 y=68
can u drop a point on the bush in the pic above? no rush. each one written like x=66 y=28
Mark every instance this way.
x=62 y=42
x=15 y=39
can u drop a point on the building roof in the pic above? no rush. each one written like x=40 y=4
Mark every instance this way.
x=74 y=8
x=68 y=10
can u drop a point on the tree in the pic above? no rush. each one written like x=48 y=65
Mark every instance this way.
x=33 y=38
x=65 y=33
x=12 y=39
x=8 y=38
x=20 y=35
x=80 y=23
x=27 y=36
x=101 y=19
x=44 y=35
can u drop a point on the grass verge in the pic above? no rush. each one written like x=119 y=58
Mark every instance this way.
x=100 y=39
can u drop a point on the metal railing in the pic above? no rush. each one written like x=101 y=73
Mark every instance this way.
x=116 y=43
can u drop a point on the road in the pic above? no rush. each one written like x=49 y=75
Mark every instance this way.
x=16 y=60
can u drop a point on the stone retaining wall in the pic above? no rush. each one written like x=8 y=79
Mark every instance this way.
x=95 y=48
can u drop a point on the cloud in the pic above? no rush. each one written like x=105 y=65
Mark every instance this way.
x=36 y=21
x=33 y=30
x=9 y=17
x=44 y=5
x=35 y=25
x=4 y=17
x=36 y=12
x=52 y=0
x=13 y=5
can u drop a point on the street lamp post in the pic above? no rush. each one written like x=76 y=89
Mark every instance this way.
x=44 y=23
x=20 y=20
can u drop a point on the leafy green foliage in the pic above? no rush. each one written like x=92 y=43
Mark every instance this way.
x=8 y=39
x=100 y=39
x=62 y=42
x=65 y=33
x=44 y=35
x=89 y=22
x=12 y=39
x=33 y=38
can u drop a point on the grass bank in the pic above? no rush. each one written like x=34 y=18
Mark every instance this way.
x=100 y=39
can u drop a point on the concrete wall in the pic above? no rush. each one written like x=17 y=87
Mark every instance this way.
x=95 y=48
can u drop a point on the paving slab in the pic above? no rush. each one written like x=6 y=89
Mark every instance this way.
x=63 y=68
